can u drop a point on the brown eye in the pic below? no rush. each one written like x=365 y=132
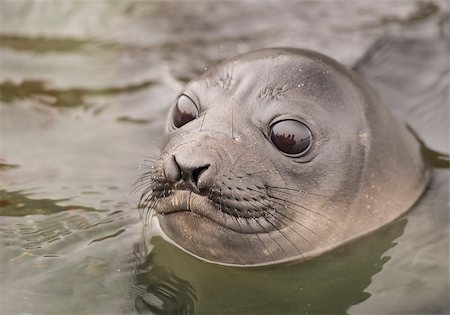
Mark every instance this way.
x=291 y=136
x=185 y=111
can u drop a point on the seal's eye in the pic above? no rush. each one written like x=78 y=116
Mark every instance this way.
x=184 y=111
x=290 y=136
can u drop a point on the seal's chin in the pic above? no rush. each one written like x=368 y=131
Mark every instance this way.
x=187 y=205
x=197 y=225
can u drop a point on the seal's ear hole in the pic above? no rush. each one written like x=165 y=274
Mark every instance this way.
x=291 y=137
x=185 y=110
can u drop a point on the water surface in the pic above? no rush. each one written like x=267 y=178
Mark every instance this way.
x=84 y=87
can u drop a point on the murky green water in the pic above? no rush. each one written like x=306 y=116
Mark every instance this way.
x=84 y=86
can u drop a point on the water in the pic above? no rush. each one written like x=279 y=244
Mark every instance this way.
x=84 y=87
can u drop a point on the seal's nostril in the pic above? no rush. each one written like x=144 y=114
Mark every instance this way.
x=197 y=173
x=185 y=171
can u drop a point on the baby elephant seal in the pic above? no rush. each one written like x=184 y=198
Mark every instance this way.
x=280 y=155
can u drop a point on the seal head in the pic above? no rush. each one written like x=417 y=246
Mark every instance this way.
x=279 y=155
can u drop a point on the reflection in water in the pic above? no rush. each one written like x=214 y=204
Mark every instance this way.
x=423 y=11
x=45 y=44
x=63 y=259
x=329 y=284
x=165 y=292
x=10 y=92
x=17 y=203
x=437 y=159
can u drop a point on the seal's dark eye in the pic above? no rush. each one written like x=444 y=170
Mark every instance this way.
x=184 y=111
x=291 y=136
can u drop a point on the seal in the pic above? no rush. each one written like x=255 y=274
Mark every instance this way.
x=279 y=155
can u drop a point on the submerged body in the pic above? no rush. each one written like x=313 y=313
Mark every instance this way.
x=279 y=155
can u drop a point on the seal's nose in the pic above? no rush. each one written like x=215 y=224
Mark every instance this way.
x=187 y=171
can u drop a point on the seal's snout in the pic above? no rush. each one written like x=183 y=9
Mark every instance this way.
x=184 y=171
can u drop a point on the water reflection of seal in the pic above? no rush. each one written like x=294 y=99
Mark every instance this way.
x=280 y=154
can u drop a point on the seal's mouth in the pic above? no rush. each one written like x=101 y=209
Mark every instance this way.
x=190 y=203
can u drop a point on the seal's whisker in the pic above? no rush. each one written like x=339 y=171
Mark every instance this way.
x=153 y=202
x=284 y=235
x=144 y=181
x=203 y=121
x=144 y=200
x=150 y=216
x=300 y=206
x=315 y=219
x=234 y=163
x=270 y=235
x=236 y=218
x=152 y=157
x=140 y=184
x=282 y=222
x=146 y=178
x=260 y=172
x=151 y=206
x=148 y=207
x=280 y=201
x=143 y=205
x=149 y=173
x=278 y=187
x=144 y=187
x=146 y=175
x=301 y=225
x=145 y=194
x=232 y=122
x=265 y=246
x=148 y=196
x=148 y=222
x=282 y=189
x=149 y=202
x=266 y=232
x=284 y=218
x=248 y=236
